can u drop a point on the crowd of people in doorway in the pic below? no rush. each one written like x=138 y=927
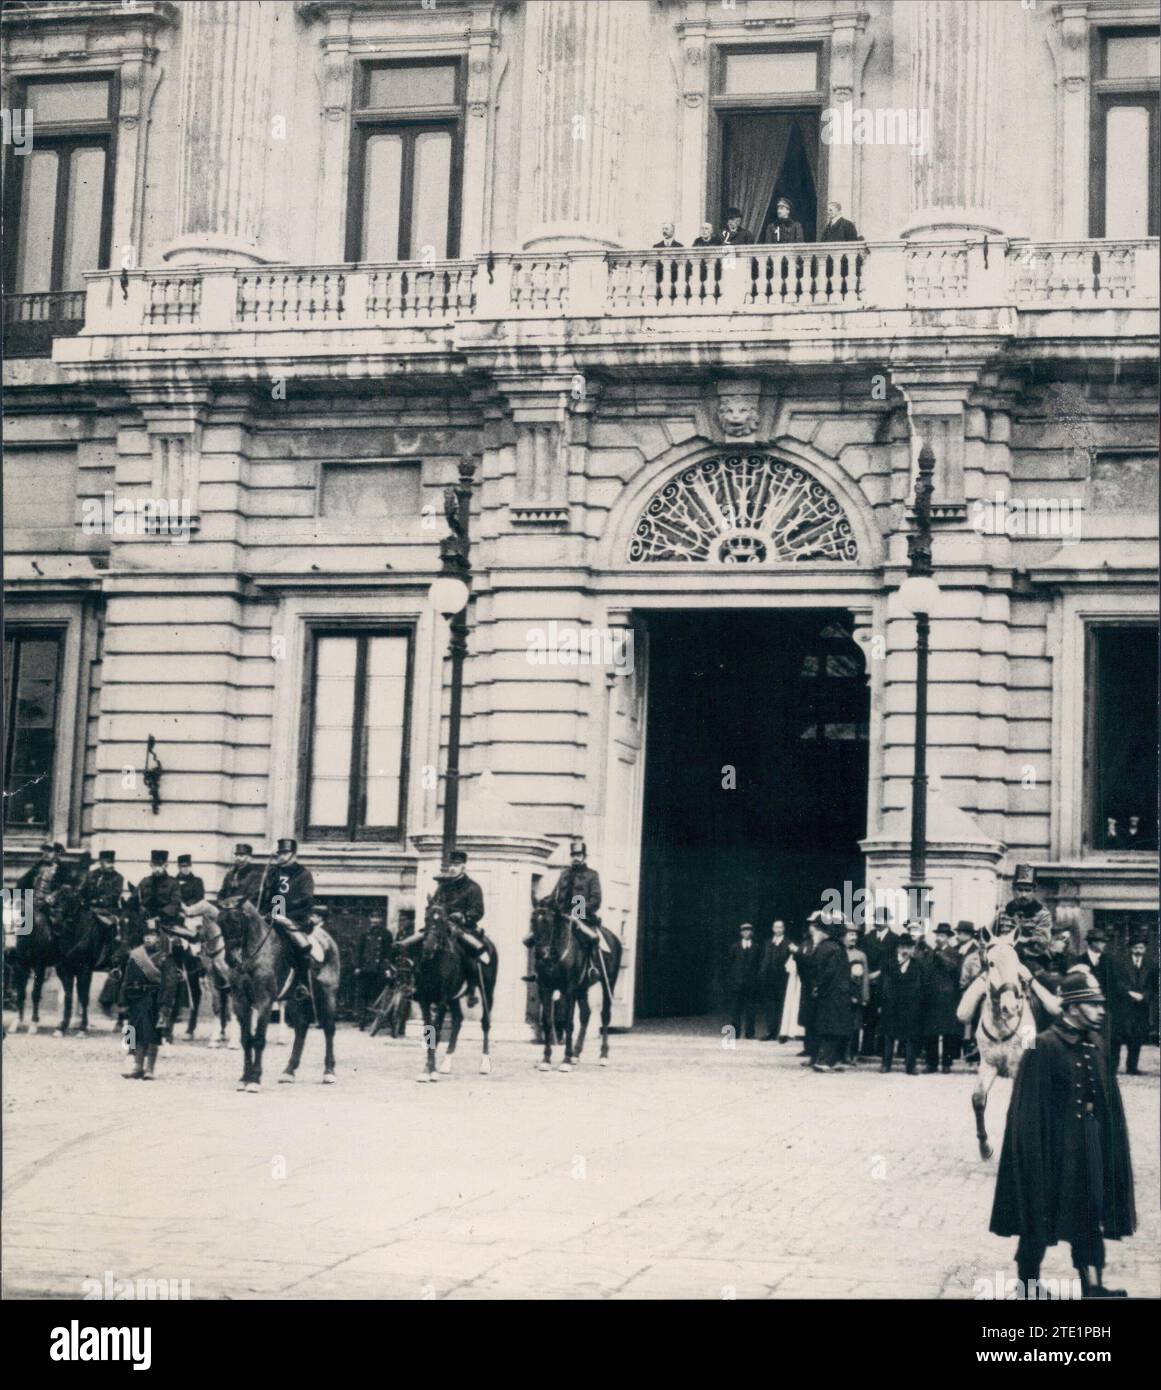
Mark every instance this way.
x=879 y=995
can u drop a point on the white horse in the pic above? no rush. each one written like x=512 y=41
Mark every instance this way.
x=1007 y=1025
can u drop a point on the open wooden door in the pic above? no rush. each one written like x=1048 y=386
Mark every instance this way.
x=624 y=784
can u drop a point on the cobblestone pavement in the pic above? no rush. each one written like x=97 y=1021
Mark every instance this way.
x=682 y=1170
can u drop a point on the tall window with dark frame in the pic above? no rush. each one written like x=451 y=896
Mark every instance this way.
x=59 y=203
x=355 y=735
x=1125 y=186
x=32 y=660
x=1122 y=737
x=767 y=104
x=406 y=161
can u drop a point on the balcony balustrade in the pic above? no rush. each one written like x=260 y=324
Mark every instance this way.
x=695 y=284
x=32 y=321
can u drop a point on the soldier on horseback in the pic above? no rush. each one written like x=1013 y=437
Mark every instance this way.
x=462 y=899
x=577 y=896
x=242 y=879
x=1031 y=920
x=287 y=898
x=101 y=895
x=45 y=876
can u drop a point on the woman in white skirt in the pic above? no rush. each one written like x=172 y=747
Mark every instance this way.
x=789 y=1026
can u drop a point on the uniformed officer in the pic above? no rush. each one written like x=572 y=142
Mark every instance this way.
x=1065 y=1171
x=287 y=898
x=158 y=892
x=577 y=895
x=1032 y=920
x=374 y=945
x=242 y=880
x=101 y=894
x=462 y=899
x=146 y=1000
x=161 y=906
x=43 y=879
x=190 y=887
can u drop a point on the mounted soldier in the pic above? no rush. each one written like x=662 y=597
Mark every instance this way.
x=462 y=899
x=577 y=896
x=101 y=895
x=1032 y=922
x=242 y=879
x=287 y=899
x=44 y=879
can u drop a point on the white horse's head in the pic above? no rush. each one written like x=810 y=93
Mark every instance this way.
x=1006 y=993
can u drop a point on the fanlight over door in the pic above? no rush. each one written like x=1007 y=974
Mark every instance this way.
x=742 y=509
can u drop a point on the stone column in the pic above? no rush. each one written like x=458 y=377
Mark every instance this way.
x=957 y=53
x=581 y=64
x=224 y=131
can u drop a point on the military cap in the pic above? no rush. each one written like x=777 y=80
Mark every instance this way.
x=319 y=910
x=1079 y=987
x=288 y=846
x=184 y=859
x=106 y=856
x=243 y=849
x=159 y=856
x=747 y=926
x=577 y=845
x=1023 y=875
x=457 y=856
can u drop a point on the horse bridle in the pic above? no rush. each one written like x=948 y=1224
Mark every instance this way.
x=997 y=995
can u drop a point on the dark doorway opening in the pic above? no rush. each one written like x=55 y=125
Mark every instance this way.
x=766 y=156
x=781 y=699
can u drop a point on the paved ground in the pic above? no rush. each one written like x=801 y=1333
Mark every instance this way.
x=682 y=1170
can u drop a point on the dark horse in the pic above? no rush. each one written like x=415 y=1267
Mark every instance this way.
x=443 y=974
x=80 y=936
x=263 y=961
x=31 y=958
x=564 y=976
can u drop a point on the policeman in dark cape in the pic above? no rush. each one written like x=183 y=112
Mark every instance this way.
x=146 y=998
x=1065 y=1171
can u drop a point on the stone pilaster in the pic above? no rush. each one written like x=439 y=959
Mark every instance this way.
x=224 y=125
x=581 y=62
x=957 y=51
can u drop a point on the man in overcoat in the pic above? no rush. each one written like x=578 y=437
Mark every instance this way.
x=1065 y=1171
x=774 y=978
x=860 y=988
x=743 y=979
x=904 y=1006
x=1136 y=984
x=944 y=1030
x=146 y=1000
x=831 y=991
x=879 y=948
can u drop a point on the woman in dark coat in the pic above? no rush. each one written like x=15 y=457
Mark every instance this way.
x=1065 y=1171
x=831 y=990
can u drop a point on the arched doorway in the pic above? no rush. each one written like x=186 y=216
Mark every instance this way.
x=755 y=787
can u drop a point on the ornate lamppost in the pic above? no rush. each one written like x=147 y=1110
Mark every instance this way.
x=450 y=594
x=919 y=594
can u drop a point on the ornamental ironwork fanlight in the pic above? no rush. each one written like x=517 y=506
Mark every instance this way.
x=744 y=509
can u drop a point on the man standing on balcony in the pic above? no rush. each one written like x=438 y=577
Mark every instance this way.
x=706 y=236
x=838 y=227
x=667 y=242
x=785 y=229
x=733 y=233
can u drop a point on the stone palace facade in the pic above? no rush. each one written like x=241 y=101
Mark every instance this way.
x=275 y=270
